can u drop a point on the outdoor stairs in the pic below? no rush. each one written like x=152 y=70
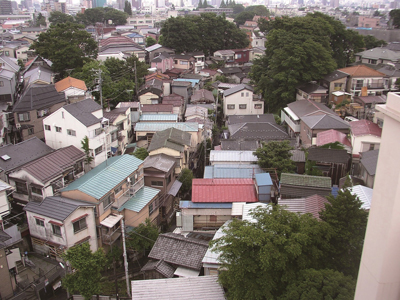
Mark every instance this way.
x=20 y=266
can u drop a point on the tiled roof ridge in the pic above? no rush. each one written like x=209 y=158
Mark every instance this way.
x=179 y=237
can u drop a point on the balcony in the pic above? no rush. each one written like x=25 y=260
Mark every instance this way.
x=294 y=125
x=110 y=229
x=370 y=86
x=128 y=193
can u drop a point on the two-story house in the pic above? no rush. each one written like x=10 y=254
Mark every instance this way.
x=178 y=103
x=240 y=100
x=119 y=128
x=162 y=62
x=336 y=83
x=70 y=124
x=227 y=55
x=183 y=61
x=37 y=102
x=74 y=89
x=155 y=50
x=9 y=72
x=312 y=91
x=199 y=60
x=377 y=56
x=5 y=207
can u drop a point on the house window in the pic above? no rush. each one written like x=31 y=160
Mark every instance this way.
x=371 y=147
x=71 y=132
x=24 y=117
x=372 y=61
x=107 y=201
x=121 y=126
x=42 y=113
x=151 y=208
x=98 y=150
x=56 y=229
x=231 y=106
x=242 y=94
x=98 y=131
x=62 y=114
x=39 y=222
x=242 y=106
x=21 y=188
x=79 y=225
x=182 y=62
x=157 y=183
x=31 y=131
x=7 y=53
x=175 y=62
x=118 y=189
x=36 y=190
x=1 y=83
x=238 y=56
x=213 y=218
x=47 y=127
x=58 y=129
x=114 y=136
x=257 y=106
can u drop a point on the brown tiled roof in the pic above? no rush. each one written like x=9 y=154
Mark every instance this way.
x=157 y=108
x=361 y=71
x=115 y=113
x=70 y=82
x=365 y=127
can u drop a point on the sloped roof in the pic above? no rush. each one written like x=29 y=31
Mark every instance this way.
x=365 y=127
x=141 y=198
x=179 y=250
x=312 y=205
x=297 y=155
x=305 y=180
x=83 y=110
x=258 y=131
x=6 y=74
x=231 y=171
x=160 y=162
x=311 y=87
x=22 y=153
x=10 y=62
x=249 y=208
x=264 y=118
x=170 y=138
x=160 y=126
x=371 y=99
x=364 y=194
x=335 y=75
x=361 y=71
x=39 y=96
x=380 y=53
x=369 y=160
x=156 y=108
x=325 y=121
x=112 y=115
x=238 y=88
x=159 y=117
x=54 y=164
x=233 y=156
x=196 y=110
x=237 y=145
x=305 y=107
x=223 y=190
x=160 y=266
x=39 y=73
x=106 y=176
x=193 y=288
x=70 y=82
x=153 y=47
x=328 y=155
x=55 y=207
x=332 y=136
x=202 y=95
x=212 y=257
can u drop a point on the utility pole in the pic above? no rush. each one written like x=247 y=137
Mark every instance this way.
x=125 y=258
x=98 y=74
x=204 y=140
x=136 y=82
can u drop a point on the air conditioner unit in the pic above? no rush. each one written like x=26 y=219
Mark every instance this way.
x=18 y=126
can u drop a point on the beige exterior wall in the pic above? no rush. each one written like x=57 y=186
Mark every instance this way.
x=362 y=143
x=309 y=137
x=148 y=98
x=379 y=275
x=6 y=288
x=134 y=219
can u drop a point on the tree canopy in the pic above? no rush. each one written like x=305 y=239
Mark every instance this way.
x=66 y=45
x=143 y=237
x=87 y=265
x=150 y=41
x=40 y=20
x=92 y=16
x=372 y=42
x=395 y=17
x=207 y=32
x=141 y=153
x=128 y=8
x=57 y=17
x=300 y=49
x=275 y=155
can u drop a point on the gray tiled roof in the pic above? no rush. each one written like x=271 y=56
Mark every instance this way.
x=380 y=53
x=369 y=160
x=179 y=250
x=257 y=131
x=298 y=155
x=22 y=153
x=171 y=138
x=39 y=96
x=328 y=155
x=237 y=89
x=251 y=145
x=335 y=75
x=251 y=119
x=161 y=162
x=83 y=110
x=58 y=208
x=160 y=266
x=325 y=122
x=311 y=87
x=115 y=113
x=305 y=107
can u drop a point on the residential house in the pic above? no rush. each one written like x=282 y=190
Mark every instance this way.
x=5 y=207
x=368 y=163
x=241 y=56
x=199 y=288
x=313 y=204
x=37 y=102
x=231 y=171
x=368 y=105
x=333 y=163
x=199 y=60
x=120 y=47
x=162 y=62
x=392 y=73
x=150 y=94
x=45 y=176
x=311 y=125
x=233 y=74
x=36 y=62
x=364 y=136
x=74 y=89
x=369 y=22
x=156 y=109
x=202 y=96
x=240 y=100
x=22 y=53
x=158 y=118
x=333 y=136
x=299 y=158
x=186 y=264
x=196 y=112
x=183 y=88
x=38 y=75
x=377 y=56
x=299 y=186
x=137 y=38
x=312 y=91
x=9 y=74
x=227 y=55
x=232 y=157
x=155 y=50
x=134 y=108
x=58 y=223
x=184 y=61
x=120 y=129
x=174 y=143
x=258 y=51
x=237 y=145
x=335 y=81
x=178 y=103
x=363 y=81
x=211 y=74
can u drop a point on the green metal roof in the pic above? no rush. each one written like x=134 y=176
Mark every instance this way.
x=305 y=180
x=106 y=176
x=140 y=200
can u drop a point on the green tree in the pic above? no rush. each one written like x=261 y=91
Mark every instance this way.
x=143 y=237
x=275 y=155
x=66 y=45
x=57 y=17
x=87 y=266
x=372 y=42
x=244 y=16
x=222 y=5
x=186 y=178
x=237 y=8
x=260 y=259
x=150 y=41
x=92 y=16
x=86 y=148
x=394 y=15
x=258 y=10
x=200 y=5
x=41 y=20
x=347 y=223
x=320 y=284
x=128 y=8
x=141 y=153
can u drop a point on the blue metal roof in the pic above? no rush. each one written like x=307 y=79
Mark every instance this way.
x=192 y=81
x=159 y=117
x=140 y=200
x=263 y=179
x=190 y=204
x=232 y=171
x=106 y=176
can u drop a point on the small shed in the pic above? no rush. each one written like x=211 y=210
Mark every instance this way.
x=264 y=187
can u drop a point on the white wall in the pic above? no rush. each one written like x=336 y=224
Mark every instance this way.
x=237 y=99
x=360 y=143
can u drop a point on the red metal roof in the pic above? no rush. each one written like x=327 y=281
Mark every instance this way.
x=223 y=190
x=364 y=127
x=332 y=136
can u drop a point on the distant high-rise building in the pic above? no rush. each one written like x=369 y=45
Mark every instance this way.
x=137 y=4
x=99 y=3
x=334 y=3
x=5 y=7
x=301 y=2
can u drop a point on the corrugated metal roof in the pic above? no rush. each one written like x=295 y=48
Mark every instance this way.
x=211 y=257
x=159 y=117
x=58 y=208
x=142 y=197
x=263 y=179
x=305 y=180
x=149 y=126
x=223 y=190
x=312 y=204
x=193 y=288
x=249 y=208
x=332 y=136
x=237 y=208
x=160 y=162
x=298 y=155
x=190 y=204
x=364 y=194
x=232 y=171
x=106 y=176
x=233 y=156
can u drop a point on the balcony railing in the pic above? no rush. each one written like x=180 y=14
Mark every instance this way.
x=129 y=192
x=369 y=86
x=110 y=235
